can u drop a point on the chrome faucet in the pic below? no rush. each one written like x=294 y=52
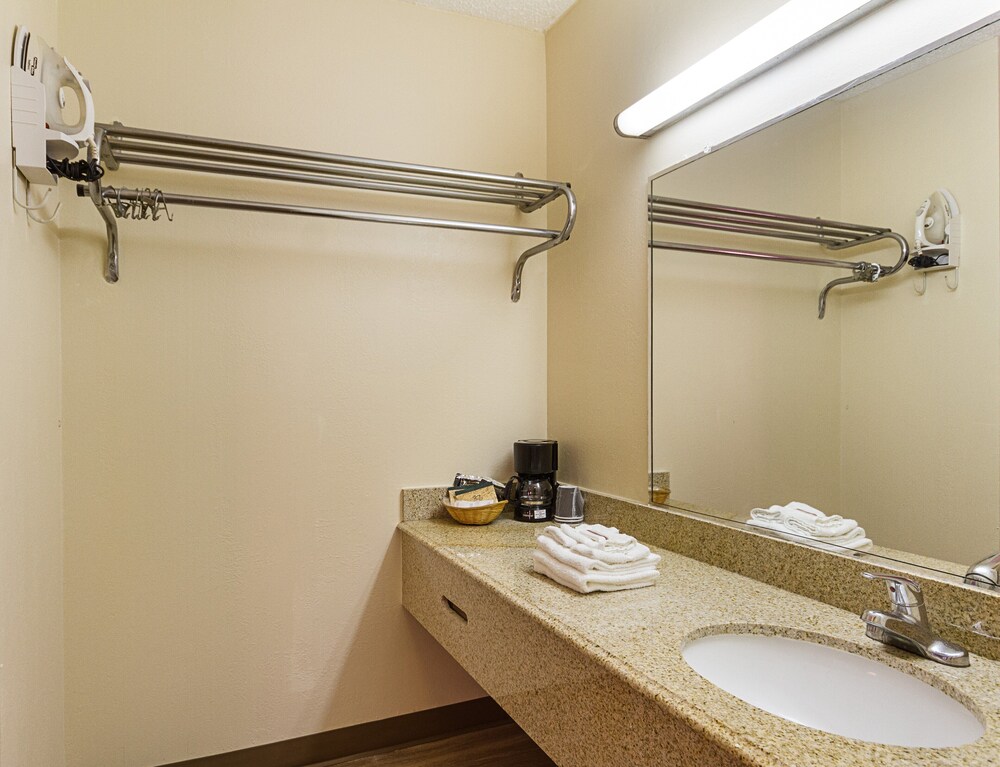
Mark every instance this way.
x=986 y=573
x=906 y=626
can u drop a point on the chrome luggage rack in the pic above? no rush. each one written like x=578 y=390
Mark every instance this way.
x=117 y=145
x=832 y=235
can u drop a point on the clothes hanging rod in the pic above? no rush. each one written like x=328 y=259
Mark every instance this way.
x=118 y=145
x=112 y=195
x=832 y=235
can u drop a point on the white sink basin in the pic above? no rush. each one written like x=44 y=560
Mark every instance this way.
x=832 y=690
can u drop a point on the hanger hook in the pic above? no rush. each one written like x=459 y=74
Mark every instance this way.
x=30 y=208
x=948 y=284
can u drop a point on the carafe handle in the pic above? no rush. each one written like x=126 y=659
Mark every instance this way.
x=511 y=488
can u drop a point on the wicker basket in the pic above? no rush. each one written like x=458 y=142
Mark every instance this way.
x=475 y=515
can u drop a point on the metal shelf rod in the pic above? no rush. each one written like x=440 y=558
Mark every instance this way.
x=706 y=219
x=656 y=201
x=738 y=253
x=134 y=152
x=754 y=230
x=112 y=131
x=307 y=178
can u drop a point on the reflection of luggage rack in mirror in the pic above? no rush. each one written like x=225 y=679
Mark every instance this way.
x=832 y=235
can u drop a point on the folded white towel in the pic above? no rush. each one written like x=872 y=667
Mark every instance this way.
x=587 y=564
x=570 y=539
x=592 y=581
x=804 y=519
x=855 y=541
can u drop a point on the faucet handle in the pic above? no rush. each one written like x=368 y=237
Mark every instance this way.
x=903 y=591
x=985 y=573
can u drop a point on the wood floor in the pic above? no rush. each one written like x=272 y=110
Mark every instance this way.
x=503 y=745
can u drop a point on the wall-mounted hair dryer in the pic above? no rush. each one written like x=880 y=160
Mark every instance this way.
x=43 y=124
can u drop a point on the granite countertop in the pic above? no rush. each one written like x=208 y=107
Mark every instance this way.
x=638 y=635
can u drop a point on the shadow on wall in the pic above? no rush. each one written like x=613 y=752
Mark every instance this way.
x=372 y=663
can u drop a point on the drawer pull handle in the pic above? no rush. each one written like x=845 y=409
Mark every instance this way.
x=455 y=609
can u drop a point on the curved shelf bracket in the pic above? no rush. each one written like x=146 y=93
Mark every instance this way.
x=867 y=272
x=561 y=237
x=94 y=191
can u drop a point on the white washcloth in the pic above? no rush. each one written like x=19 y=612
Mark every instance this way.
x=586 y=564
x=851 y=535
x=601 y=537
x=855 y=542
x=771 y=514
x=816 y=523
x=592 y=581
x=568 y=537
x=802 y=518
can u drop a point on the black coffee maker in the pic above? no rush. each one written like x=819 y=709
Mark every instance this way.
x=532 y=491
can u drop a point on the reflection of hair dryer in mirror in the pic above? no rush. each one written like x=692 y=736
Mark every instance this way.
x=936 y=232
x=937 y=238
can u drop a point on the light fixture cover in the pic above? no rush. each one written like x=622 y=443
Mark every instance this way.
x=792 y=27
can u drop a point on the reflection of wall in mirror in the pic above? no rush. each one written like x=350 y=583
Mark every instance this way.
x=923 y=371
x=724 y=345
x=906 y=434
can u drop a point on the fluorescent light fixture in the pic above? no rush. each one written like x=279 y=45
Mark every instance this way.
x=794 y=26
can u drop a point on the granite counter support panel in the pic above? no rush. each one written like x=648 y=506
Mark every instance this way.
x=579 y=712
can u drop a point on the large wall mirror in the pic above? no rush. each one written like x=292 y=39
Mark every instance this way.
x=887 y=410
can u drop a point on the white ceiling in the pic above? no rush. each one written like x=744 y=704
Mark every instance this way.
x=530 y=14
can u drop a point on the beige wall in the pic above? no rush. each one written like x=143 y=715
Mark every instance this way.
x=242 y=409
x=31 y=528
x=602 y=56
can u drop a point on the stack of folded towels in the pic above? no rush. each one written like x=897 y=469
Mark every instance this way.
x=589 y=558
x=802 y=520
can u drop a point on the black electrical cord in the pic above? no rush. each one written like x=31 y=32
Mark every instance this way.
x=81 y=170
x=924 y=261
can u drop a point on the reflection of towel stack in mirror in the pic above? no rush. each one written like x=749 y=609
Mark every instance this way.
x=802 y=520
x=589 y=558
